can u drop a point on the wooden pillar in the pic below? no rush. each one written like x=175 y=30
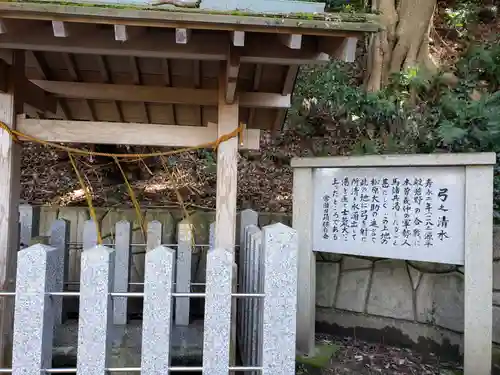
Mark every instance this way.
x=227 y=168
x=225 y=209
x=10 y=167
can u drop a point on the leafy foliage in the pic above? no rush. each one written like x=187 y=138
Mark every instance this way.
x=415 y=113
x=458 y=17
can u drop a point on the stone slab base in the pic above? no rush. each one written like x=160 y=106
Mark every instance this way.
x=186 y=344
x=425 y=338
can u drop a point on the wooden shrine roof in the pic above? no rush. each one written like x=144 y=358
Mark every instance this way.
x=162 y=65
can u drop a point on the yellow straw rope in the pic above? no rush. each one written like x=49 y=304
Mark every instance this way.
x=133 y=198
x=16 y=135
x=88 y=196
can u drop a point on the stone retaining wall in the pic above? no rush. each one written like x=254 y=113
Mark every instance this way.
x=423 y=302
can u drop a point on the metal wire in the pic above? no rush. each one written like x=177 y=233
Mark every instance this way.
x=141 y=294
x=134 y=369
x=80 y=244
x=78 y=283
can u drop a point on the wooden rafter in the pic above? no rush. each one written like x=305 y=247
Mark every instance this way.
x=238 y=38
x=94 y=132
x=3 y=27
x=136 y=77
x=106 y=78
x=182 y=35
x=339 y=48
x=123 y=32
x=289 y=81
x=293 y=41
x=197 y=74
x=232 y=71
x=69 y=61
x=60 y=29
x=255 y=87
x=158 y=94
x=167 y=76
x=202 y=46
x=31 y=94
x=288 y=84
x=44 y=71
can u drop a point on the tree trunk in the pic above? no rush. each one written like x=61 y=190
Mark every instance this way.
x=403 y=43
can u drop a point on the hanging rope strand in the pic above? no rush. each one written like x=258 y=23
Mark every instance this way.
x=17 y=135
x=88 y=197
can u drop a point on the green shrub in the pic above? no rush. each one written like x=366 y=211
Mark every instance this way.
x=413 y=113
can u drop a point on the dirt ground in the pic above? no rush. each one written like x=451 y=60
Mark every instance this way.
x=358 y=357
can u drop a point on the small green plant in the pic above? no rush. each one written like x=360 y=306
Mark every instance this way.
x=464 y=13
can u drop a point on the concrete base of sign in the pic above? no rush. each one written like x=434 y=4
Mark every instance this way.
x=323 y=353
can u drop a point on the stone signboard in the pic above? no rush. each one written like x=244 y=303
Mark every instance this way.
x=414 y=213
x=427 y=207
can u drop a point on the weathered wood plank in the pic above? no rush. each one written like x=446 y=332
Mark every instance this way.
x=95 y=132
x=10 y=156
x=227 y=168
x=158 y=94
x=32 y=94
x=340 y=24
x=161 y=44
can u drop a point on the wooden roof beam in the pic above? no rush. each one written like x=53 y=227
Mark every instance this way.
x=182 y=36
x=123 y=32
x=289 y=82
x=43 y=69
x=137 y=80
x=257 y=76
x=157 y=94
x=61 y=29
x=30 y=93
x=167 y=77
x=70 y=63
x=343 y=49
x=93 y=132
x=238 y=38
x=232 y=72
x=202 y=46
x=292 y=41
x=8 y=25
x=106 y=78
x=288 y=85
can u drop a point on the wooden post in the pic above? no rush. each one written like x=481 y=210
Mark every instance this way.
x=227 y=168
x=9 y=203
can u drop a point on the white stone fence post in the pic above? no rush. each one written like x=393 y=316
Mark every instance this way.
x=267 y=299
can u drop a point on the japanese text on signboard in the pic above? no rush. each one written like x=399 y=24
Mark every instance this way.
x=387 y=211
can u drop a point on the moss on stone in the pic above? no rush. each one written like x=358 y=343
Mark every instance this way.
x=340 y=16
x=322 y=356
